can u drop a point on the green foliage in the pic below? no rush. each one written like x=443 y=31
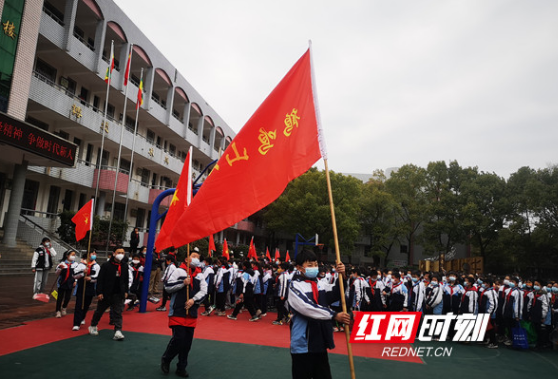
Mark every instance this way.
x=304 y=208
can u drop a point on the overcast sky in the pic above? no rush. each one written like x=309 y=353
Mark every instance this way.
x=399 y=82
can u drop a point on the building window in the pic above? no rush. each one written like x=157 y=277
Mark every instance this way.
x=37 y=123
x=150 y=137
x=403 y=249
x=45 y=70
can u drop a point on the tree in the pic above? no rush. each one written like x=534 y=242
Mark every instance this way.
x=485 y=210
x=379 y=217
x=407 y=187
x=304 y=208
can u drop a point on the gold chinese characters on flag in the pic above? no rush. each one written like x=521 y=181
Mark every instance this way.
x=277 y=144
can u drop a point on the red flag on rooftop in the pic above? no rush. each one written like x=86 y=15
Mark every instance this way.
x=83 y=220
x=179 y=203
x=277 y=144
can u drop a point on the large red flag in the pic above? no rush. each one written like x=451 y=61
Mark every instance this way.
x=279 y=143
x=179 y=203
x=267 y=255
x=226 y=250
x=211 y=245
x=83 y=220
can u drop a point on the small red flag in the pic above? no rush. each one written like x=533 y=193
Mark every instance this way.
x=180 y=201
x=287 y=257
x=127 y=73
x=83 y=220
x=252 y=250
x=280 y=142
x=277 y=254
x=267 y=255
x=226 y=250
x=211 y=245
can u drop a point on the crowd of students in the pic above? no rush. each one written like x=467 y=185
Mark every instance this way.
x=256 y=286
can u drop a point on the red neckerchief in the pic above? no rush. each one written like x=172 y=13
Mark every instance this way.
x=372 y=285
x=119 y=267
x=394 y=287
x=451 y=288
x=315 y=292
x=526 y=293
x=190 y=273
x=553 y=299
x=482 y=294
x=136 y=272
x=68 y=265
x=89 y=267
x=536 y=297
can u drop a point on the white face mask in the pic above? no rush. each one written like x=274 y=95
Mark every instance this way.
x=388 y=277
x=72 y=258
x=135 y=262
x=119 y=257
x=195 y=262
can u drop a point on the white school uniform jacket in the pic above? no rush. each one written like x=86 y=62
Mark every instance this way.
x=488 y=301
x=419 y=292
x=360 y=291
x=435 y=296
x=532 y=299
x=282 y=283
x=168 y=272
x=79 y=271
x=513 y=296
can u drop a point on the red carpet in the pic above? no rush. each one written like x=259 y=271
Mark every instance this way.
x=214 y=328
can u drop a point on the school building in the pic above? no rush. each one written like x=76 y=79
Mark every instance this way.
x=53 y=97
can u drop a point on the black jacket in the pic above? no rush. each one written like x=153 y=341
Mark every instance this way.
x=108 y=276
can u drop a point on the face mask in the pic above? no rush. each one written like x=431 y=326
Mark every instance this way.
x=479 y=281
x=195 y=262
x=135 y=262
x=311 y=272
x=523 y=285
x=484 y=285
x=444 y=278
x=554 y=289
x=93 y=257
x=414 y=280
x=72 y=258
x=47 y=244
x=434 y=284
x=506 y=282
x=333 y=271
x=452 y=278
x=536 y=288
x=119 y=257
x=511 y=284
x=388 y=277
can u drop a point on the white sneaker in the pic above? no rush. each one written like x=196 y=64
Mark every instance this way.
x=58 y=314
x=75 y=328
x=118 y=336
x=93 y=331
x=63 y=311
x=83 y=322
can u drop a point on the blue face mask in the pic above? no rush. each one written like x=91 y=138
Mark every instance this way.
x=511 y=284
x=434 y=284
x=536 y=288
x=311 y=272
x=414 y=280
x=93 y=257
x=554 y=289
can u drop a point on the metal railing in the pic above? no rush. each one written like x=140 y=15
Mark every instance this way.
x=33 y=233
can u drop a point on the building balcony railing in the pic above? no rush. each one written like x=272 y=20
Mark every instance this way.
x=154 y=192
x=58 y=99
x=108 y=177
x=52 y=28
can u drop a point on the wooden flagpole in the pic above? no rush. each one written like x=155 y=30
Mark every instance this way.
x=323 y=151
x=189 y=273
x=338 y=260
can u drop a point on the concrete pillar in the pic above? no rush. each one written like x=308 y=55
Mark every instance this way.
x=70 y=11
x=101 y=201
x=14 y=208
x=186 y=120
